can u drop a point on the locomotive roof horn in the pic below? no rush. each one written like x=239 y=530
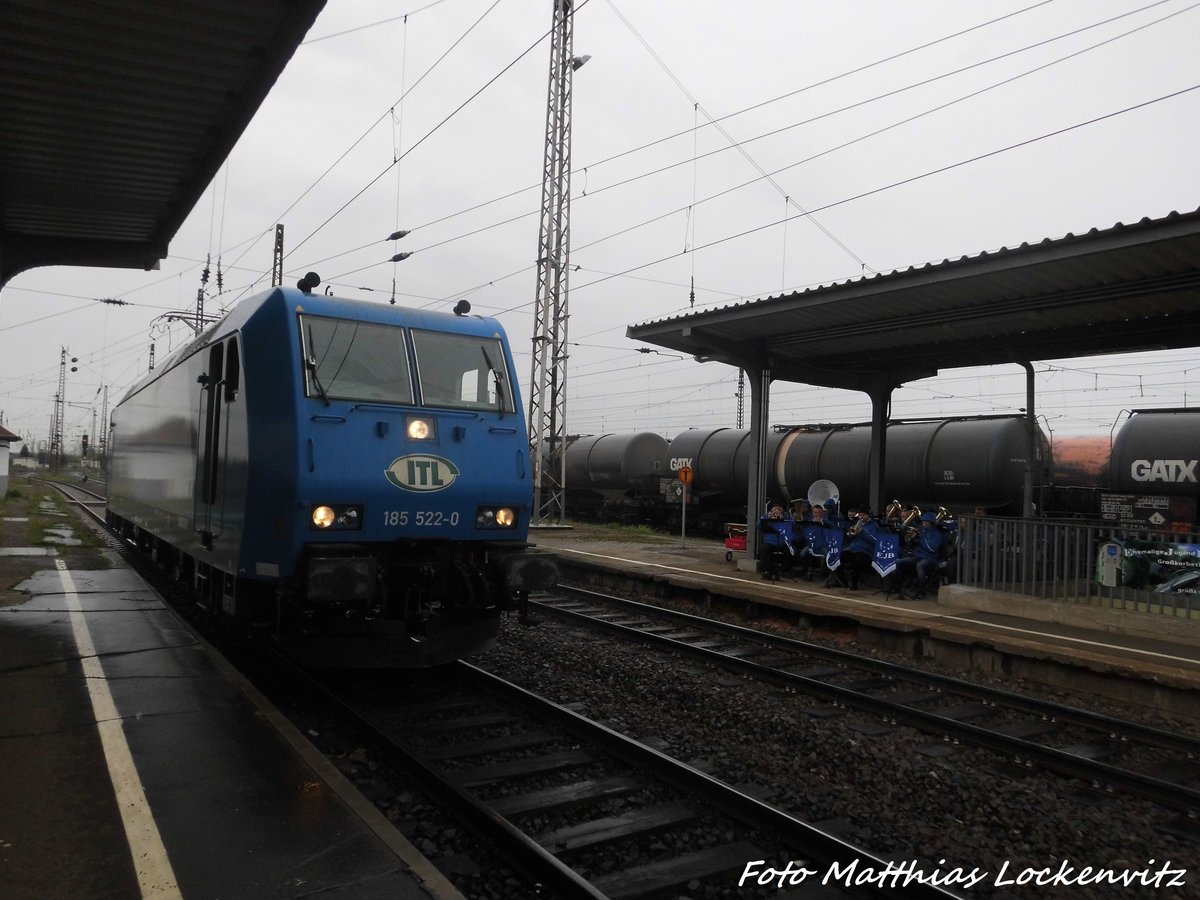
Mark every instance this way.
x=308 y=282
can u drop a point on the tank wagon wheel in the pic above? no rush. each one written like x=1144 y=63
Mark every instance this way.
x=728 y=556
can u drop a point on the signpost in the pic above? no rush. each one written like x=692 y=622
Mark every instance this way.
x=685 y=477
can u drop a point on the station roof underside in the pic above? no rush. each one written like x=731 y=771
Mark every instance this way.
x=116 y=114
x=1124 y=289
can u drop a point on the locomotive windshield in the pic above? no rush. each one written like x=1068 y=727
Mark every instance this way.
x=462 y=372
x=349 y=360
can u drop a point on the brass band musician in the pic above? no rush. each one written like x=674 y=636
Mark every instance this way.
x=859 y=551
x=800 y=544
x=926 y=553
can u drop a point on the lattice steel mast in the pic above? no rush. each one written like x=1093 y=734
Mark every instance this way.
x=104 y=428
x=56 y=421
x=741 y=397
x=277 y=258
x=548 y=381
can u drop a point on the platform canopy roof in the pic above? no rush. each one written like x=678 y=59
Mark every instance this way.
x=116 y=114
x=1124 y=289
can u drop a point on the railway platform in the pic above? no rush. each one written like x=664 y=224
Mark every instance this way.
x=1128 y=657
x=135 y=762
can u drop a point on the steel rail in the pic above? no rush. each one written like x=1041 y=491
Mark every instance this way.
x=538 y=863
x=1061 y=713
x=1168 y=794
x=798 y=835
x=535 y=862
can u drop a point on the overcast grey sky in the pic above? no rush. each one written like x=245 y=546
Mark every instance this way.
x=703 y=131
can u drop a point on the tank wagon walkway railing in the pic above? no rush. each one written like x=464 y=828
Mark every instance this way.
x=1104 y=565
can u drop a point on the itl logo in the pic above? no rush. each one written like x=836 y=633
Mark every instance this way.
x=1176 y=470
x=421 y=473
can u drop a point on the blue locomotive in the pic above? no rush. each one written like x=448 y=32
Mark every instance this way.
x=351 y=477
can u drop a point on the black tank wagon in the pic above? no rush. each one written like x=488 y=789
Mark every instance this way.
x=964 y=465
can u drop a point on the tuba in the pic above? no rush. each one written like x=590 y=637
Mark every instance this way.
x=891 y=515
x=821 y=490
x=942 y=515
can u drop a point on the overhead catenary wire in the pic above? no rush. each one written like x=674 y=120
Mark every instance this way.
x=397 y=145
x=633 y=276
x=790 y=94
x=251 y=241
x=479 y=91
x=967 y=161
x=914 y=178
x=849 y=199
x=358 y=28
x=614 y=157
x=374 y=124
x=910 y=50
x=877 y=131
x=827 y=151
x=735 y=144
x=690 y=238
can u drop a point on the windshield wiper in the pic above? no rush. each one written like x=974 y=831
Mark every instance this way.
x=311 y=362
x=498 y=376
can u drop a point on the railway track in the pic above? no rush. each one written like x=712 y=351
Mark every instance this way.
x=577 y=808
x=584 y=811
x=602 y=823
x=85 y=498
x=1110 y=754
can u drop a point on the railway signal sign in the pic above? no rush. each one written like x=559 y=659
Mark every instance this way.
x=685 y=477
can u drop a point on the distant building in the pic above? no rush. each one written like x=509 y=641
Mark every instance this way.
x=6 y=438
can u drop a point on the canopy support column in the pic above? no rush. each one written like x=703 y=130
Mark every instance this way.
x=881 y=401
x=760 y=403
x=1030 y=442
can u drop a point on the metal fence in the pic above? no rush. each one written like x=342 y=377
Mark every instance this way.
x=1100 y=564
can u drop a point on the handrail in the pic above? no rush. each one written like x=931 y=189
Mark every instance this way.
x=1088 y=562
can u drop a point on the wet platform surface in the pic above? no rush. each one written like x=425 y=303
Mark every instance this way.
x=134 y=763
x=1109 y=642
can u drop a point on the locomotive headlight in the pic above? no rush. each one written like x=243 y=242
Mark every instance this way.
x=420 y=429
x=337 y=518
x=495 y=517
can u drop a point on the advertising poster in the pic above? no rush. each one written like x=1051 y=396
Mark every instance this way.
x=1162 y=568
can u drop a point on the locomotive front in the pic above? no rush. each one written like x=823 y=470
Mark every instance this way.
x=401 y=514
